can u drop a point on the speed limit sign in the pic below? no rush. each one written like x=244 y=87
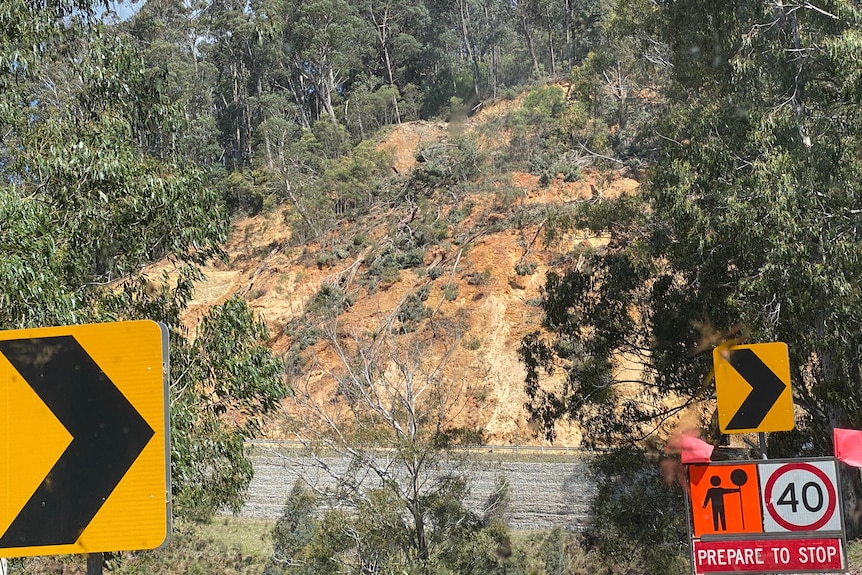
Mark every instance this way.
x=800 y=496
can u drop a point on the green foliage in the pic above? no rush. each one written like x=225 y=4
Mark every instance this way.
x=448 y=163
x=638 y=518
x=527 y=268
x=332 y=140
x=541 y=105
x=293 y=533
x=241 y=196
x=413 y=309
x=549 y=163
x=581 y=129
x=557 y=555
x=445 y=95
x=478 y=278
x=746 y=233
x=328 y=302
x=353 y=181
x=224 y=381
x=378 y=534
x=435 y=272
x=371 y=108
x=450 y=292
x=91 y=196
x=552 y=137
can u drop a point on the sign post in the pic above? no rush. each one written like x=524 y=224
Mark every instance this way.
x=85 y=411
x=770 y=515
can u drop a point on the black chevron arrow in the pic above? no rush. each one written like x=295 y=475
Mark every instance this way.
x=107 y=433
x=766 y=388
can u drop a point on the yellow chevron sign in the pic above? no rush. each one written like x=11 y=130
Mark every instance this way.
x=84 y=449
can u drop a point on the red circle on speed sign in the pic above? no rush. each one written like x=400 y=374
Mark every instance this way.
x=828 y=506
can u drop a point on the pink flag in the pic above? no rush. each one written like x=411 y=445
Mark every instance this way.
x=691 y=449
x=848 y=446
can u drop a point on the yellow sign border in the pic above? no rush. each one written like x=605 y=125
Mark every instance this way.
x=731 y=389
x=136 y=515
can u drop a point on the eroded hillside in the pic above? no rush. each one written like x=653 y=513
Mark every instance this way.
x=487 y=271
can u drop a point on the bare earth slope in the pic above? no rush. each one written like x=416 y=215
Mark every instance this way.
x=499 y=305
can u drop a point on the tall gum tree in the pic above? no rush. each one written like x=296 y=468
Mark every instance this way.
x=747 y=231
x=87 y=204
x=324 y=40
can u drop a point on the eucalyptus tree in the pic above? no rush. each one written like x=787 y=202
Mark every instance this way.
x=168 y=35
x=540 y=23
x=620 y=77
x=747 y=230
x=325 y=41
x=396 y=25
x=88 y=201
x=584 y=21
x=386 y=405
x=235 y=46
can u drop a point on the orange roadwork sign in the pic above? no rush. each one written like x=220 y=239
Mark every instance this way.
x=725 y=499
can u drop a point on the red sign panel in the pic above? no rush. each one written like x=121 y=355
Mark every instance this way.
x=768 y=556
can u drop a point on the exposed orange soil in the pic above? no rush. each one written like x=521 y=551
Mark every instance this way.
x=278 y=281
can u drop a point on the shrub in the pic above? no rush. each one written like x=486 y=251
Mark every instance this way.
x=330 y=299
x=638 y=517
x=241 y=195
x=478 y=278
x=414 y=310
x=293 y=532
x=448 y=163
x=525 y=268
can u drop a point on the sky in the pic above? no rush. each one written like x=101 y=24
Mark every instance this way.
x=125 y=8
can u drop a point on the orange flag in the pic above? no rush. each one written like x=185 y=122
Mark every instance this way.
x=691 y=449
x=848 y=446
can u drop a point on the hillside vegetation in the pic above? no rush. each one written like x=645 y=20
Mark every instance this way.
x=463 y=221
x=483 y=262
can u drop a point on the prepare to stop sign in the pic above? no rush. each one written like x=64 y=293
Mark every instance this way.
x=766 y=516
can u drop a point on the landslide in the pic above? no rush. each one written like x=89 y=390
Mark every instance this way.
x=490 y=268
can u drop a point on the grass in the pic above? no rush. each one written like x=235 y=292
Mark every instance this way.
x=250 y=536
x=854 y=556
x=242 y=546
x=226 y=545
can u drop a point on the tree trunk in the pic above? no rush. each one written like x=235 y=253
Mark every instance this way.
x=327 y=86
x=468 y=44
x=528 y=36
x=382 y=28
x=570 y=45
x=301 y=104
x=551 y=53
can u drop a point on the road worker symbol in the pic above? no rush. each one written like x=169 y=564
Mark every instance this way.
x=725 y=499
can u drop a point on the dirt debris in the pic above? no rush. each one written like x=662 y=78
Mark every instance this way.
x=510 y=262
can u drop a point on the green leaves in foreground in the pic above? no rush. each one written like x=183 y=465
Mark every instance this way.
x=85 y=209
x=748 y=231
x=223 y=382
